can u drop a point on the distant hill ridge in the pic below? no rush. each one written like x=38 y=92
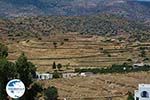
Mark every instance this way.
x=126 y=8
x=104 y=24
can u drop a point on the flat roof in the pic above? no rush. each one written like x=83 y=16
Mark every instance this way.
x=144 y=85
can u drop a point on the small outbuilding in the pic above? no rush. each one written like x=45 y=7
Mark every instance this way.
x=69 y=74
x=137 y=65
x=44 y=76
x=85 y=74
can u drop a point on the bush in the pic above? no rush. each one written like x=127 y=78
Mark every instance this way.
x=33 y=91
x=59 y=66
x=51 y=93
x=3 y=51
x=109 y=55
x=124 y=68
x=130 y=96
x=145 y=59
x=129 y=59
x=56 y=74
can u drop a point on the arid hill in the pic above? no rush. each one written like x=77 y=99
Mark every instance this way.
x=104 y=24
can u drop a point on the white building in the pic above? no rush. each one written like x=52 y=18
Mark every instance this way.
x=44 y=76
x=143 y=92
x=137 y=65
x=85 y=74
x=69 y=75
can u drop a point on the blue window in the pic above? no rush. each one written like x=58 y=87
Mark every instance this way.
x=144 y=94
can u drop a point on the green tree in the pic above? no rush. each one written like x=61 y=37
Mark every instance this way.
x=25 y=69
x=56 y=74
x=51 y=93
x=59 y=66
x=130 y=96
x=3 y=50
x=7 y=72
x=54 y=65
x=26 y=72
x=146 y=59
x=55 y=44
x=33 y=91
x=142 y=53
x=129 y=60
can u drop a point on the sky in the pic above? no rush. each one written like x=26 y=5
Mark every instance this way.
x=143 y=0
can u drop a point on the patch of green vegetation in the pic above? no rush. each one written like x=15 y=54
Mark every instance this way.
x=51 y=93
x=130 y=96
x=22 y=69
x=124 y=68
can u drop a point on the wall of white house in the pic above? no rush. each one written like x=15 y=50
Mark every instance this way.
x=143 y=92
x=44 y=76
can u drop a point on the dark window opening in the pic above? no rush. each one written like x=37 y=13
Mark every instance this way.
x=137 y=98
x=145 y=94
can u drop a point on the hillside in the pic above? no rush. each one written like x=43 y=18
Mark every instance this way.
x=104 y=24
x=126 y=8
x=99 y=87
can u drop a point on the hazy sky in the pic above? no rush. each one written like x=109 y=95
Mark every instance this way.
x=143 y=0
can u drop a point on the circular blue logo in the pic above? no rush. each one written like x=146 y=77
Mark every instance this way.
x=15 y=88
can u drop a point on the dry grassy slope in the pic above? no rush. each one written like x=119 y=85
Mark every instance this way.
x=83 y=51
x=79 y=52
x=98 y=86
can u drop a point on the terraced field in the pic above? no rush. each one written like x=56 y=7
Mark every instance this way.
x=84 y=51
x=99 y=87
x=74 y=51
